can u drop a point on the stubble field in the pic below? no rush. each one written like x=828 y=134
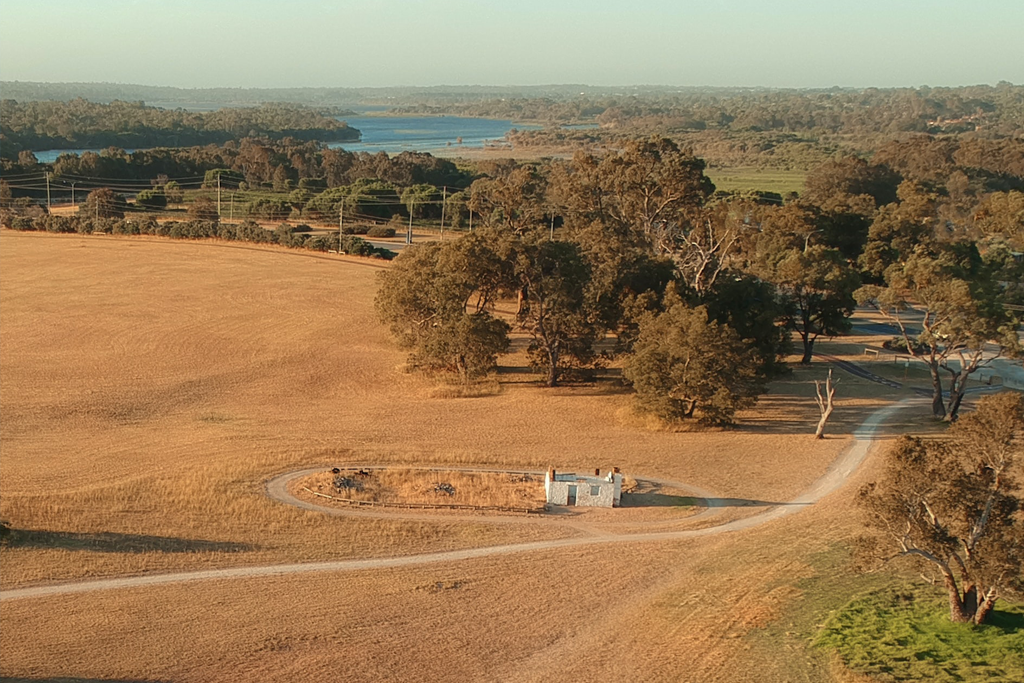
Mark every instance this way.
x=150 y=388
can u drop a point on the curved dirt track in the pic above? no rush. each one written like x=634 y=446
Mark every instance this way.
x=277 y=489
x=840 y=470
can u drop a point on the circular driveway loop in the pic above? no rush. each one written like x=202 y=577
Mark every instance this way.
x=840 y=470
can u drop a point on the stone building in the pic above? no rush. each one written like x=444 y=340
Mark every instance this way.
x=580 y=489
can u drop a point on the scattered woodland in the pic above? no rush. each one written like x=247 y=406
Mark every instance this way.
x=644 y=247
x=612 y=256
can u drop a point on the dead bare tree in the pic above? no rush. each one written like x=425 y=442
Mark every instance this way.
x=703 y=253
x=826 y=402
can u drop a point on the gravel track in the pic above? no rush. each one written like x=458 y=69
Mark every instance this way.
x=837 y=474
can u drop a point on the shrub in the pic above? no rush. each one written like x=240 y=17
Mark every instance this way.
x=173 y=193
x=251 y=231
x=23 y=223
x=151 y=199
x=103 y=203
x=327 y=242
x=381 y=231
x=192 y=229
x=59 y=224
x=356 y=246
x=289 y=236
x=146 y=225
x=126 y=228
x=313 y=184
x=269 y=209
x=203 y=209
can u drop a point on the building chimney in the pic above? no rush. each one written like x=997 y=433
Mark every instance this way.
x=615 y=470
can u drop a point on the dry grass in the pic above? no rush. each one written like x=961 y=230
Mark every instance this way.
x=421 y=487
x=151 y=387
x=446 y=388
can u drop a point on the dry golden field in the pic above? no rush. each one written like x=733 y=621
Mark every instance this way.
x=150 y=388
x=403 y=485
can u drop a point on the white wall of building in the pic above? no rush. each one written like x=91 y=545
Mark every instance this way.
x=591 y=491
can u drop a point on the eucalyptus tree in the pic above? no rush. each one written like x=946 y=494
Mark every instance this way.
x=951 y=505
x=950 y=315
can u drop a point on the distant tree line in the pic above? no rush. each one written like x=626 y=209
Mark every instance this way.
x=67 y=125
x=997 y=109
x=787 y=129
x=256 y=162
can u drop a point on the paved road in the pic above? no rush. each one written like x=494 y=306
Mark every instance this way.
x=840 y=470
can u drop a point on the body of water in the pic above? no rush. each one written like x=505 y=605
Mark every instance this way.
x=395 y=134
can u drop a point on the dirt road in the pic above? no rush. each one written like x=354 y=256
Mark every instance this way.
x=840 y=470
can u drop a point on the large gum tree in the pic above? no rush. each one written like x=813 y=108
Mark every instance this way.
x=952 y=506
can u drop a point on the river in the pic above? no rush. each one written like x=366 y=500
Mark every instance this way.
x=394 y=134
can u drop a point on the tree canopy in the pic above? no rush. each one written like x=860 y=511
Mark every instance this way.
x=952 y=506
x=685 y=366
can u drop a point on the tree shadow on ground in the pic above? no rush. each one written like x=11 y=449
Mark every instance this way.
x=106 y=542
x=779 y=414
x=651 y=499
x=657 y=500
x=744 y=503
x=1007 y=622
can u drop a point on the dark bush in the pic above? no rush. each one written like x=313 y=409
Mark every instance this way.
x=60 y=224
x=104 y=225
x=193 y=230
x=251 y=231
x=226 y=231
x=126 y=227
x=900 y=344
x=147 y=225
x=381 y=231
x=23 y=223
x=327 y=242
x=356 y=246
x=151 y=199
x=269 y=209
x=313 y=184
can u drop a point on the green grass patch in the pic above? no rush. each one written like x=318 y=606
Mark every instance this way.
x=904 y=634
x=740 y=179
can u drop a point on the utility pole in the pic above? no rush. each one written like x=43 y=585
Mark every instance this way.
x=471 y=220
x=552 y=234
x=232 y=205
x=218 y=195
x=341 y=224
x=72 y=195
x=408 y=235
x=444 y=198
x=47 y=192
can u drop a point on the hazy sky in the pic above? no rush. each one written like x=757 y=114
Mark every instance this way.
x=264 y=43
